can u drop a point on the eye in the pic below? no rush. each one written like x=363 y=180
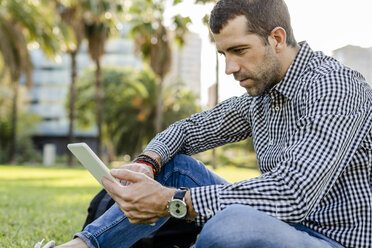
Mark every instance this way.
x=239 y=50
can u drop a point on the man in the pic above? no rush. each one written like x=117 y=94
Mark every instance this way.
x=310 y=118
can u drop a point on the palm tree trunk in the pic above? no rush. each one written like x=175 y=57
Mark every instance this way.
x=159 y=107
x=72 y=104
x=13 y=141
x=110 y=150
x=99 y=100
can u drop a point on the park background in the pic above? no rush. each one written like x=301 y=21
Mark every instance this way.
x=113 y=105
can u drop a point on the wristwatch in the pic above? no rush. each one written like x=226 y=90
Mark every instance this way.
x=177 y=206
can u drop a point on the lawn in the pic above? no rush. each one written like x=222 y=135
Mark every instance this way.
x=51 y=203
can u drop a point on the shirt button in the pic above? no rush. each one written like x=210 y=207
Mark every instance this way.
x=277 y=108
x=271 y=142
x=209 y=212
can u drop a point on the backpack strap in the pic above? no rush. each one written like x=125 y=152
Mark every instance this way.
x=103 y=205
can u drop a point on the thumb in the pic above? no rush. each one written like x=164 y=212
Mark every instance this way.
x=127 y=175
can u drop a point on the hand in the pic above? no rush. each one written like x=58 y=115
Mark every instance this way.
x=137 y=167
x=144 y=201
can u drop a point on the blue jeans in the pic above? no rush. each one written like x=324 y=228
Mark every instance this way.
x=235 y=226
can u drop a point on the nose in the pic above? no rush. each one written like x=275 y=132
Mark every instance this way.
x=231 y=65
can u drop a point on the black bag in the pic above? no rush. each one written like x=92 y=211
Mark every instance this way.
x=174 y=233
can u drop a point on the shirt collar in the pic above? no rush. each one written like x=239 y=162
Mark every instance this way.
x=290 y=84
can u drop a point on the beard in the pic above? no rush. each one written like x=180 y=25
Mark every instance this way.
x=266 y=75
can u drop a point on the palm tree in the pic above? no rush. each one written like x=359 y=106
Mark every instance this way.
x=99 y=23
x=97 y=35
x=72 y=15
x=152 y=40
x=20 y=23
x=17 y=61
x=130 y=106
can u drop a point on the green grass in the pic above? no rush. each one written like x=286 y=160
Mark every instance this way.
x=51 y=203
x=38 y=203
x=234 y=174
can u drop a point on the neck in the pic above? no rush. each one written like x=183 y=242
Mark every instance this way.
x=288 y=57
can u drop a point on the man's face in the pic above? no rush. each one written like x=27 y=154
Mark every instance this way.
x=254 y=64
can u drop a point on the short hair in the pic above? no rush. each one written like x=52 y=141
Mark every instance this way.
x=262 y=17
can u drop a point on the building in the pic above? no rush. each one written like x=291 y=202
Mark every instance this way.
x=186 y=63
x=47 y=97
x=357 y=58
x=52 y=80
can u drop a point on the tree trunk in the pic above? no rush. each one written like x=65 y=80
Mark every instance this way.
x=71 y=137
x=110 y=150
x=214 y=155
x=13 y=141
x=99 y=100
x=159 y=107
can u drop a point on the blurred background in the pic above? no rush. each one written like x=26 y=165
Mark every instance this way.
x=113 y=73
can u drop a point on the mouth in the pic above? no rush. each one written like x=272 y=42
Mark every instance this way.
x=244 y=81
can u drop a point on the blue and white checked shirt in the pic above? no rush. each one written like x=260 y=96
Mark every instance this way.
x=312 y=135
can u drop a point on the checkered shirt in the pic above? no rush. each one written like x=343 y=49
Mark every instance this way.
x=312 y=134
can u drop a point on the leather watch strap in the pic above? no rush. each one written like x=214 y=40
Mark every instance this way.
x=180 y=193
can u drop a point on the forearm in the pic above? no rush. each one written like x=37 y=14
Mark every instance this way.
x=225 y=123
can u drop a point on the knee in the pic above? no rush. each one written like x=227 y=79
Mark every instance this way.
x=182 y=159
x=181 y=162
x=235 y=226
x=176 y=172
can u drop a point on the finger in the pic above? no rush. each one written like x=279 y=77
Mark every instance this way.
x=124 y=183
x=112 y=188
x=127 y=175
x=133 y=167
x=138 y=215
x=150 y=221
x=130 y=166
x=139 y=167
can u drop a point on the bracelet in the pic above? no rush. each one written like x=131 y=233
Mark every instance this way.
x=152 y=167
x=145 y=159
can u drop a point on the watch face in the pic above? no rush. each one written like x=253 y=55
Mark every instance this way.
x=177 y=208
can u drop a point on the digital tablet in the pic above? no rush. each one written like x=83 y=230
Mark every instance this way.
x=91 y=161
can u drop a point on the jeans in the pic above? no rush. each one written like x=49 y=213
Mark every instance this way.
x=235 y=226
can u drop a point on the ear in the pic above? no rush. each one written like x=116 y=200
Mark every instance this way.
x=278 y=38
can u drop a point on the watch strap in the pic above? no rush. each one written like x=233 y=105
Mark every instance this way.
x=180 y=194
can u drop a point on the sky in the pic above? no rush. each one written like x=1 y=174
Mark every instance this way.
x=325 y=24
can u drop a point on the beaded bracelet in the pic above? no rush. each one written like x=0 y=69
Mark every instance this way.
x=152 y=167
x=145 y=159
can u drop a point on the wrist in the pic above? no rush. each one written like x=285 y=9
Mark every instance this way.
x=149 y=166
x=180 y=204
x=154 y=156
x=150 y=159
x=177 y=207
x=168 y=195
x=191 y=213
